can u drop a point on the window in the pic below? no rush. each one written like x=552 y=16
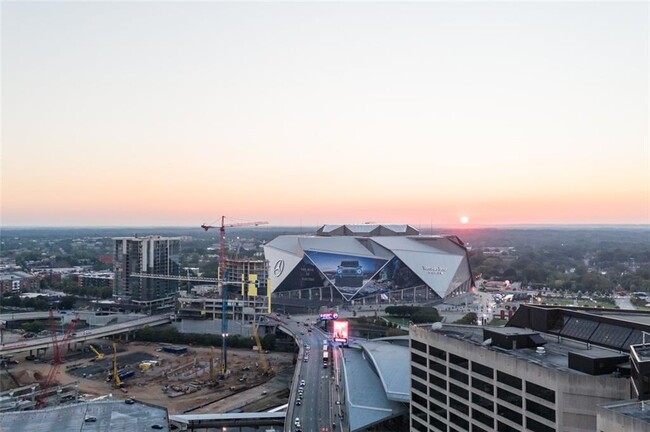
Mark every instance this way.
x=417 y=412
x=459 y=421
x=482 y=402
x=540 y=410
x=537 y=426
x=440 y=368
x=540 y=392
x=459 y=406
x=485 y=419
x=477 y=429
x=482 y=385
x=438 y=396
x=509 y=414
x=418 y=400
x=435 y=352
x=418 y=346
x=508 y=379
x=419 y=426
x=438 y=382
x=419 y=359
x=417 y=385
x=483 y=370
x=437 y=409
x=458 y=391
x=458 y=376
x=436 y=423
x=502 y=427
x=458 y=361
x=507 y=396
x=418 y=372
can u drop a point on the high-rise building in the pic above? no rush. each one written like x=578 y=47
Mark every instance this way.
x=550 y=369
x=151 y=255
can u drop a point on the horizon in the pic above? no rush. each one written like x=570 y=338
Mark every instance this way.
x=491 y=113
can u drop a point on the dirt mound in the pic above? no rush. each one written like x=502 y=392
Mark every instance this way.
x=28 y=376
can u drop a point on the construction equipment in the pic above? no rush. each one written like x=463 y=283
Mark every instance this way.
x=58 y=349
x=266 y=369
x=222 y=278
x=117 y=383
x=98 y=355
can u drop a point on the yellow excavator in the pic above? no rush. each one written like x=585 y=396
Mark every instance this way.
x=116 y=376
x=98 y=355
x=266 y=369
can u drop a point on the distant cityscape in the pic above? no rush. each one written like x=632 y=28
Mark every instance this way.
x=485 y=329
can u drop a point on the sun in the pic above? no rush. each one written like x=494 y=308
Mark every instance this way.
x=464 y=220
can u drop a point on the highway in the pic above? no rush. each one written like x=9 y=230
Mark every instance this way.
x=314 y=412
x=85 y=335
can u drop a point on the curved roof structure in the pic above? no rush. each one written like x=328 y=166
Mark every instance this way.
x=367 y=230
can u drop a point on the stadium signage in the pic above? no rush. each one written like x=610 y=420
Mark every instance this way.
x=434 y=270
x=278 y=268
x=329 y=316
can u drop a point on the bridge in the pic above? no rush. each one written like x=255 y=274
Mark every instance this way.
x=86 y=335
x=227 y=420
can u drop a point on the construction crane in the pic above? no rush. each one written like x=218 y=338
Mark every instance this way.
x=98 y=355
x=58 y=353
x=222 y=278
x=266 y=369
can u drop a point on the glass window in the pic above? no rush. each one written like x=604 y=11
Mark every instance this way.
x=417 y=412
x=540 y=392
x=507 y=396
x=441 y=426
x=438 y=409
x=419 y=426
x=483 y=370
x=579 y=328
x=458 y=361
x=508 y=379
x=611 y=335
x=477 y=429
x=420 y=400
x=540 y=410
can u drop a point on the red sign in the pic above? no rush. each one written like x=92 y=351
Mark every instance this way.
x=340 y=331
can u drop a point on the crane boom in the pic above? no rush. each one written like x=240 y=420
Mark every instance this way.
x=222 y=277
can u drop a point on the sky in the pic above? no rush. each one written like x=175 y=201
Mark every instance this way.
x=306 y=113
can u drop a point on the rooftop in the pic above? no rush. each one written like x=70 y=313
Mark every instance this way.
x=109 y=415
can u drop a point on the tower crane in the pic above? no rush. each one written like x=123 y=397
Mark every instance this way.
x=222 y=278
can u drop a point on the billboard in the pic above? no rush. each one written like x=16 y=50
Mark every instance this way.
x=329 y=316
x=340 y=331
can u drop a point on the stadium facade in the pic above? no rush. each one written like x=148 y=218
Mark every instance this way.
x=352 y=262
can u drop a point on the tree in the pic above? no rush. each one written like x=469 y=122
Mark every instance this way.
x=470 y=318
x=67 y=302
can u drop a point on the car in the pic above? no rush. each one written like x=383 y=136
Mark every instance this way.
x=349 y=273
x=297 y=422
x=302 y=383
x=157 y=426
x=129 y=401
x=90 y=419
x=298 y=402
x=306 y=360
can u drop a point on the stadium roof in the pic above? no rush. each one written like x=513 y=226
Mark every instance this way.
x=392 y=364
x=366 y=230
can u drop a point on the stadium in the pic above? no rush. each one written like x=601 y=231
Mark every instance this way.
x=369 y=263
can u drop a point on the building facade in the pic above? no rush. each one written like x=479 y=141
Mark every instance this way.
x=468 y=378
x=346 y=263
x=152 y=256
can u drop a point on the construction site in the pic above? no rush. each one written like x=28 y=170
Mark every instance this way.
x=183 y=379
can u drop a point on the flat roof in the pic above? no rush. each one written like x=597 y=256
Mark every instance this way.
x=111 y=415
x=631 y=408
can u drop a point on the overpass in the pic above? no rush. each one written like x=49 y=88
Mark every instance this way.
x=227 y=420
x=86 y=335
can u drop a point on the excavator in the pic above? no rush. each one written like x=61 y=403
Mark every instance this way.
x=98 y=355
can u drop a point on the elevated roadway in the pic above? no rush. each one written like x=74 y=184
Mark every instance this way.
x=86 y=335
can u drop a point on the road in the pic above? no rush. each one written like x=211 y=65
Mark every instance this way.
x=314 y=412
x=624 y=303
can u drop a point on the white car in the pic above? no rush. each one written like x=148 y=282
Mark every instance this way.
x=297 y=422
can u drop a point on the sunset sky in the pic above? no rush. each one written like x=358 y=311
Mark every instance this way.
x=165 y=113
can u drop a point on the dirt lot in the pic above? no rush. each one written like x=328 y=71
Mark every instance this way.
x=235 y=391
